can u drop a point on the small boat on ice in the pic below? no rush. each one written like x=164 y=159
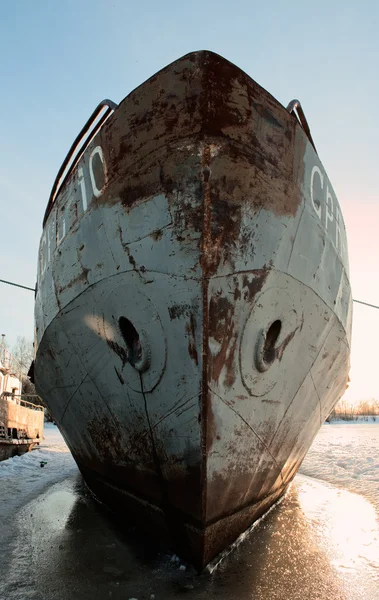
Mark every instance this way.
x=21 y=421
x=193 y=305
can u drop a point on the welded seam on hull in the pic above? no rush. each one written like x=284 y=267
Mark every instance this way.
x=215 y=562
x=206 y=240
x=273 y=270
x=241 y=272
x=295 y=236
x=92 y=381
x=65 y=309
x=318 y=397
x=169 y=510
x=101 y=396
x=144 y=237
x=331 y=308
x=60 y=387
x=343 y=270
x=155 y=453
x=297 y=391
x=338 y=297
x=168 y=414
x=189 y=519
x=72 y=395
x=253 y=430
x=107 y=405
x=242 y=507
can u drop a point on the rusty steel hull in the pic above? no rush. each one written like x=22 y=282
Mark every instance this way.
x=193 y=307
x=10 y=448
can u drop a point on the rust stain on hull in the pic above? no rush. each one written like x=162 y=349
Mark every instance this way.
x=189 y=219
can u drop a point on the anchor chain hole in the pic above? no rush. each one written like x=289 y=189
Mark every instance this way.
x=132 y=340
x=269 y=350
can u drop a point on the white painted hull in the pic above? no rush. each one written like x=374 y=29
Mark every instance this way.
x=216 y=234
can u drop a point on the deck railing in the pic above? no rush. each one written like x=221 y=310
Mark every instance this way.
x=21 y=400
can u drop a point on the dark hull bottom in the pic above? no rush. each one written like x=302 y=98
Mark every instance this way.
x=9 y=449
x=193 y=541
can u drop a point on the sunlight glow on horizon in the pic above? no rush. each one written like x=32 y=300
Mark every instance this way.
x=98 y=49
x=350 y=525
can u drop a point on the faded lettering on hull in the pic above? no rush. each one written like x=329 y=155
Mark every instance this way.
x=193 y=310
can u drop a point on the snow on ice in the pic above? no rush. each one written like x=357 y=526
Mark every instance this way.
x=22 y=478
x=347 y=455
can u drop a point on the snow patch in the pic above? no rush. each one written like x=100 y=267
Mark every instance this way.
x=22 y=478
x=347 y=455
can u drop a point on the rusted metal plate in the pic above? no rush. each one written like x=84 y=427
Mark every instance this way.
x=193 y=311
x=21 y=425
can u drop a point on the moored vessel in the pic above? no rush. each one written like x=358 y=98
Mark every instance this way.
x=21 y=420
x=193 y=305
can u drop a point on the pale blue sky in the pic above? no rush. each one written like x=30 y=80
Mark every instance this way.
x=58 y=59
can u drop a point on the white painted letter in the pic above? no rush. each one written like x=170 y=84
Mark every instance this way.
x=339 y=238
x=98 y=151
x=316 y=203
x=83 y=189
x=42 y=255
x=329 y=208
x=63 y=215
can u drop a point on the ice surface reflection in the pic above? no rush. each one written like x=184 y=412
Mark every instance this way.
x=346 y=523
x=320 y=543
x=55 y=511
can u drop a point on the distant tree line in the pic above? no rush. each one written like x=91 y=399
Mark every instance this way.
x=350 y=412
x=20 y=359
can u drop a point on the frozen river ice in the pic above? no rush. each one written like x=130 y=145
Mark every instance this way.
x=321 y=542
